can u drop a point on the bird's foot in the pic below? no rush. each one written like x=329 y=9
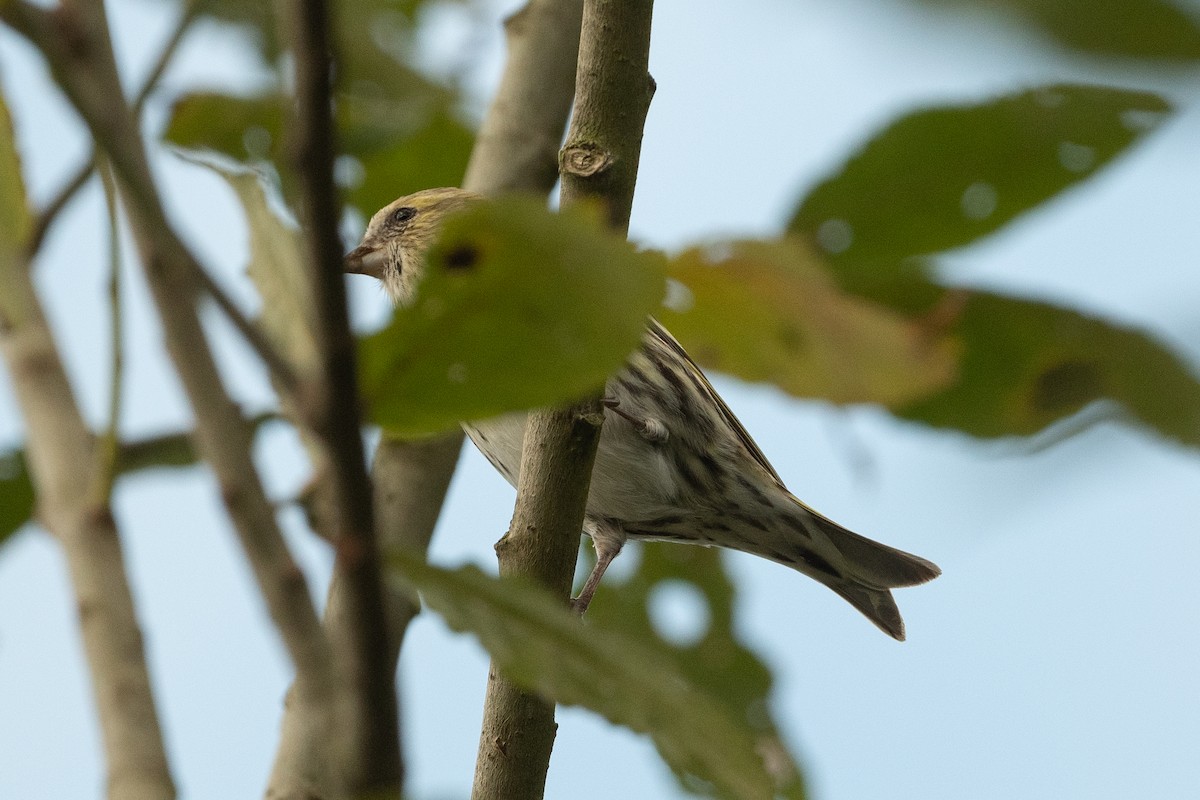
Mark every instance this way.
x=652 y=430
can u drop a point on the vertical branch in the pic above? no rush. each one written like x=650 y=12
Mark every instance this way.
x=516 y=150
x=74 y=40
x=368 y=732
x=542 y=543
x=109 y=443
x=61 y=454
x=600 y=160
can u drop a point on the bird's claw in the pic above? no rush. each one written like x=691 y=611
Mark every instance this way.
x=652 y=430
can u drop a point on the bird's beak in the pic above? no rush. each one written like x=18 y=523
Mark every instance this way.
x=366 y=259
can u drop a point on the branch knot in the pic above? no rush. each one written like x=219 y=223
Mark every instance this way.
x=584 y=160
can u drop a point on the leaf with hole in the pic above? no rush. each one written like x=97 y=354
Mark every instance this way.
x=718 y=660
x=640 y=684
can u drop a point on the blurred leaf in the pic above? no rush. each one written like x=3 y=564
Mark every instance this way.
x=255 y=21
x=15 y=219
x=717 y=660
x=398 y=130
x=433 y=154
x=389 y=147
x=164 y=451
x=240 y=127
x=771 y=311
x=16 y=494
x=944 y=177
x=1151 y=29
x=276 y=266
x=518 y=308
x=1027 y=365
x=640 y=684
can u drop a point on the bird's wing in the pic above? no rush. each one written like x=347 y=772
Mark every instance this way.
x=663 y=336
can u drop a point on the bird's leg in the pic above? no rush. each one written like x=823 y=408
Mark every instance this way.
x=608 y=539
x=652 y=430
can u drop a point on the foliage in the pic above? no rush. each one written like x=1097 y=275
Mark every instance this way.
x=519 y=308
x=1141 y=29
x=632 y=680
x=523 y=308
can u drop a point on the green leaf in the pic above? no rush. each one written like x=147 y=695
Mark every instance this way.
x=163 y=451
x=398 y=131
x=1027 y=365
x=16 y=494
x=1148 y=29
x=519 y=308
x=771 y=311
x=718 y=660
x=243 y=128
x=390 y=145
x=642 y=685
x=15 y=219
x=944 y=177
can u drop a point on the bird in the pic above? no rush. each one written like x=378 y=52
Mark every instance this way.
x=673 y=462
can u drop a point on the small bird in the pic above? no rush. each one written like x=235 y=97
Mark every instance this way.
x=673 y=463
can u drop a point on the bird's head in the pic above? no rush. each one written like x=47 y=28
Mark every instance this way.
x=393 y=248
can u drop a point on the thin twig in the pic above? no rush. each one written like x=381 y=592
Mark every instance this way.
x=613 y=90
x=45 y=219
x=108 y=446
x=368 y=729
x=191 y=12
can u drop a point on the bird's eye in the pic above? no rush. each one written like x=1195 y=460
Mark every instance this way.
x=402 y=215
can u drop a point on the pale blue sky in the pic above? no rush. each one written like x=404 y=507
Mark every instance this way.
x=1054 y=659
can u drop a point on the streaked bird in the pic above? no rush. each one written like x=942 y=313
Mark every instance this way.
x=673 y=463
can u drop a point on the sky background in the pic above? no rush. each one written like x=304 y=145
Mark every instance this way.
x=1055 y=658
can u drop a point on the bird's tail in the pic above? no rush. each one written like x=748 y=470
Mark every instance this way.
x=859 y=569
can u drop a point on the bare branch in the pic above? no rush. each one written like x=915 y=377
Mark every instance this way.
x=368 y=730
x=63 y=465
x=109 y=442
x=613 y=90
x=516 y=149
x=79 y=178
x=542 y=543
x=74 y=39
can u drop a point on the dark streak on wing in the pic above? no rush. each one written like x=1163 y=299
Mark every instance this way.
x=667 y=340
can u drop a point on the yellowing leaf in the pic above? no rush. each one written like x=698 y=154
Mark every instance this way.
x=519 y=308
x=771 y=312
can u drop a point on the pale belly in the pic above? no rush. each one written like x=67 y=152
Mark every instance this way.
x=631 y=479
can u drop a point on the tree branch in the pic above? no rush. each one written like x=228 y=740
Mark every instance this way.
x=45 y=219
x=61 y=457
x=516 y=150
x=613 y=90
x=74 y=39
x=542 y=543
x=368 y=731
